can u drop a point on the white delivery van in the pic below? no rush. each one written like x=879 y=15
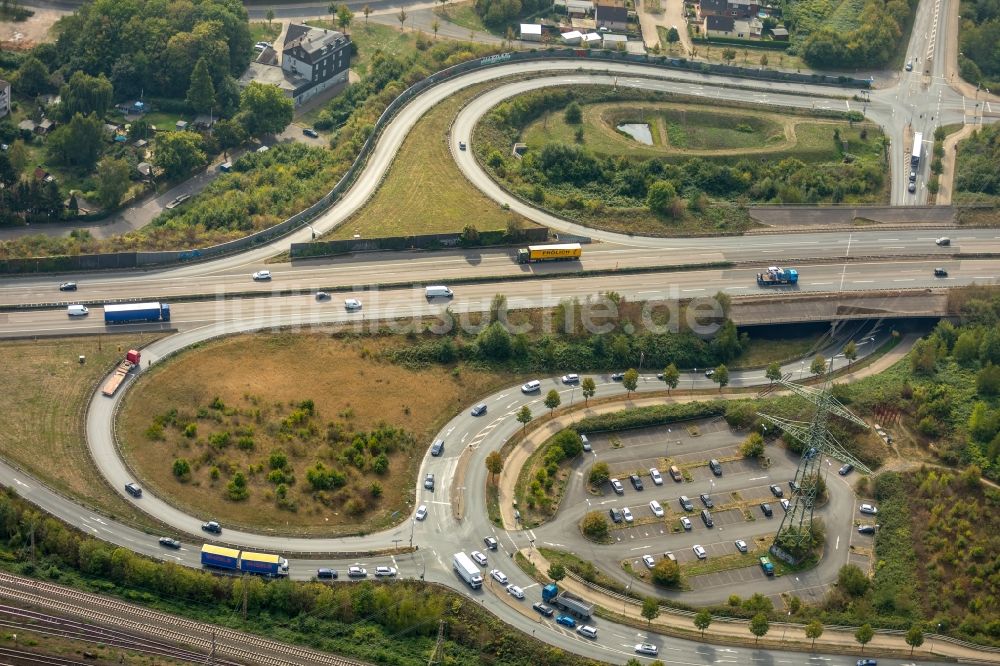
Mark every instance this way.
x=438 y=291
x=77 y=310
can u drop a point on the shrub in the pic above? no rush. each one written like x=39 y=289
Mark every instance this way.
x=182 y=469
x=599 y=474
x=666 y=573
x=191 y=430
x=278 y=459
x=237 y=489
x=595 y=526
x=322 y=478
x=753 y=446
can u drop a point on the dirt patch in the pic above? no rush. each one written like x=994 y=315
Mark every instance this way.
x=24 y=35
x=314 y=399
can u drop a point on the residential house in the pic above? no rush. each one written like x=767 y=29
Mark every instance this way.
x=743 y=9
x=718 y=26
x=579 y=8
x=611 y=17
x=4 y=98
x=744 y=29
x=712 y=8
x=531 y=32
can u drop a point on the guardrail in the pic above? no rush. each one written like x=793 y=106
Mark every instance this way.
x=302 y=218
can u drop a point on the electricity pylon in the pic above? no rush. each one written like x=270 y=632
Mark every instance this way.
x=795 y=532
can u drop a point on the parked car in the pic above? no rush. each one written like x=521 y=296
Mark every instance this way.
x=429 y=482
x=326 y=573
x=587 y=448
x=261 y=275
x=794 y=486
x=646 y=648
x=868 y=509
x=776 y=490
x=655 y=507
x=649 y=561
x=616 y=515
x=686 y=523
x=177 y=201
x=352 y=304
x=656 y=476
x=310 y=132
x=170 y=543
x=67 y=286
x=212 y=526
x=741 y=545
x=133 y=490
x=617 y=486
x=571 y=379
x=385 y=572
x=421 y=512
x=636 y=481
x=715 y=467
x=566 y=621
x=627 y=515
x=706 y=499
x=669 y=556
x=766 y=509
x=490 y=542
x=911 y=188
x=356 y=572
x=675 y=474
x=699 y=551
x=846 y=469
x=478 y=557
x=515 y=591
x=543 y=609
x=866 y=529
x=685 y=503
x=479 y=410
x=785 y=503
x=499 y=576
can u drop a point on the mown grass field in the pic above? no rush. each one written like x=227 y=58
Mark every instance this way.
x=271 y=374
x=462 y=14
x=424 y=192
x=42 y=412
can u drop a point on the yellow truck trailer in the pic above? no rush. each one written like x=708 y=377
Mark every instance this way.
x=561 y=252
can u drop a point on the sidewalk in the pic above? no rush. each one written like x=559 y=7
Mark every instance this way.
x=516 y=459
x=946 y=182
x=792 y=636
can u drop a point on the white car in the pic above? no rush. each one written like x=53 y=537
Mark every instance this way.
x=649 y=561
x=515 y=591
x=178 y=201
x=385 y=571
x=686 y=523
x=261 y=275
x=421 y=512
x=741 y=546
x=571 y=379
x=655 y=475
x=499 y=576
x=478 y=557
x=785 y=503
x=627 y=515
x=352 y=304
x=646 y=648
x=531 y=387
x=655 y=507
x=868 y=508
x=699 y=551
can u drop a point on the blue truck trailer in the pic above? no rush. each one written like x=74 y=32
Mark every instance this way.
x=230 y=559
x=123 y=313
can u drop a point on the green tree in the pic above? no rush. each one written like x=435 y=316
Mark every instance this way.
x=401 y=17
x=201 y=92
x=552 y=400
x=78 y=143
x=182 y=469
x=85 y=94
x=702 y=620
x=673 y=36
x=344 y=18
x=557 y=572
x=494 y=463
x=773 y=372
x=660 y=197
x=759 y=626
x=332 y=9
x=650 y=610
x=599 y=474
x=988 y=380
x=366 y=10
x=852 y=580
x=589 y=388
x=671 y=376
x=229 y=134
x=666 y=573
x=32 y=77
x=818 y=365
x=753 y=446
x=112 y=181
x=435 y=26
x=524 y=417
x=864 y=635
x=264 y=109
x=270 y=17
x=178 y=153
x=494 y=341
x=236 y=489
x=850 y=352
x=721 y=377
x=914 y=637
x=573 y=114
x=966 y=349
x=814 y=630
x=595 y=526
x=498 y=308
x=630 y=380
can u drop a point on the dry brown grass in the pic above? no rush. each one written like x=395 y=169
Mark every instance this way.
x=42 y=412
x=348 y=385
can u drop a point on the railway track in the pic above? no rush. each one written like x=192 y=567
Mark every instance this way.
x=240 y=646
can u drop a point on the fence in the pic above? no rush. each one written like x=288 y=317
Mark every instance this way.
x=421 y=242
x=304 y=217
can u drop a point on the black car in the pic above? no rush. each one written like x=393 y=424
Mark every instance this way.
x=490 y=542
x=715 y=467
x=616 y=515
x=686 y=503
x=794 y=486
x=310 y=132
x=940 y=272
x=706 y=499
x=866 y=529
x=846 y=469
x=67 y=286
x=133 y=490
x=776 y=490
x=212 y=526
x=437 y=448
x=636 y=481
x=542 y=608
x=617 y=376
x=170 y=543
x=766 y=509
x=326 y=573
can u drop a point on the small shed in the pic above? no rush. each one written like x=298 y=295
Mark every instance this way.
x=614 y=41
x=181 y=125
x=780 y=34
x=27 y=125
x=141 y=143
x=591 y=39
x=572 y=37
x=145 y=169
x=45 y=126
x=531 y=32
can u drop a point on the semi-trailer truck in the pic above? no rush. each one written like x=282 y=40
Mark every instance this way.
x=568 y=602
x=775 y=275
x=116 y=379
x=123 y=313
x=563 y=252
x=232 y=559
x=468 y=570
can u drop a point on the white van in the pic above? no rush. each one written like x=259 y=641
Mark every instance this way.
x=77 y=310
x=587 y=630
x=438 y=291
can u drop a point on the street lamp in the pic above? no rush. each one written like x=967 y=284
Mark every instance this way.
x=628 y=588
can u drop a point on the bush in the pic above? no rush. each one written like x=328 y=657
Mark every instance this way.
x=599 y=474
x=237 y=489
x=753 y=446
x=182 y=469
x=322 y=478
x=650 y=416
x=666 y=573
x=595 y=526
